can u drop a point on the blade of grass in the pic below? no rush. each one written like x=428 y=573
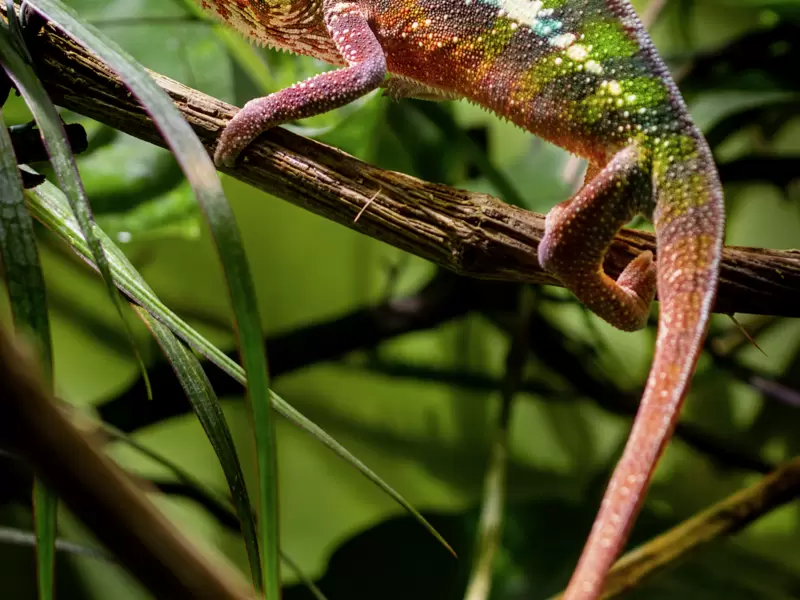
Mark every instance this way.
x=28 y=300
x=202 y=177
x=45 y=512
x=47 y=205
x=20 y=256
x=207 y=408
x=315 y=591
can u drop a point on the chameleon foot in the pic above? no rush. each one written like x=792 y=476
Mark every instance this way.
x=578 y=233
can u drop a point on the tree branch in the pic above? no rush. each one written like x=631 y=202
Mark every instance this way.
x=468 y=233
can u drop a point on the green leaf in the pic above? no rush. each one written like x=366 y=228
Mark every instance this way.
x=200 y=172
x=26 y=292
x=48 y=206
x=20 y=257
x=207 y=408
x=45 y=511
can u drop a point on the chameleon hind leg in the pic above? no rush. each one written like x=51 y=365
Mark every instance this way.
x=365 y=71
x=579 y=231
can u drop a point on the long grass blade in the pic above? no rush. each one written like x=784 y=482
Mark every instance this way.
x=490 y=525
x=207 y=408
x=28 y=299
x=45 y=512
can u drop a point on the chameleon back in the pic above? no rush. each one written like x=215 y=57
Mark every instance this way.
x=580 y=74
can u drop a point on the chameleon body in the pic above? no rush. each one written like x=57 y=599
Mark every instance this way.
x=584 y=75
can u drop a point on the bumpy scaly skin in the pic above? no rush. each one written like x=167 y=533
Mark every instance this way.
x=584 y=75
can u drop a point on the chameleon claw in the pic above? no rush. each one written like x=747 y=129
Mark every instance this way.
x=223 y=156
x=639 y=280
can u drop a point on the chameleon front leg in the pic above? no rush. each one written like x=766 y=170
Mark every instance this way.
x=365 y=70
x=578 y=233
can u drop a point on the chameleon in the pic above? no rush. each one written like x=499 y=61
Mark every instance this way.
x=584 y=75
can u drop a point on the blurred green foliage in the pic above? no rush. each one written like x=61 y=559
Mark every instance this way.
x=419 y=409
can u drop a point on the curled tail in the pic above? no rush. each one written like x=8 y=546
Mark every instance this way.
x=689 y=219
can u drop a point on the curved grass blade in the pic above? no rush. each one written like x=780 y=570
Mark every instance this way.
x=48 y=206
x=28 y=299
x=206 y=406
x=196 y=164
x=312 y=587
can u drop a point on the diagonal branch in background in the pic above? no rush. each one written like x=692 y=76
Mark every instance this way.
x=443 y=299
x=551 y=350
x=468 y=233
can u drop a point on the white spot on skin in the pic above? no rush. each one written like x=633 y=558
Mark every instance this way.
x=525 y=12
x=563 y=40
x=578 y=52
x=594 y=67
